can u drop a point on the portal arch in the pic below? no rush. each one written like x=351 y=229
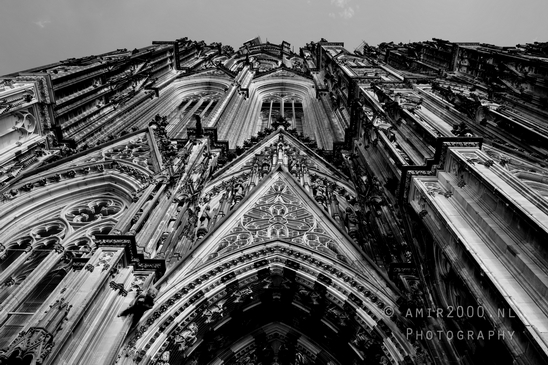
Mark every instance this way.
x=335 y=298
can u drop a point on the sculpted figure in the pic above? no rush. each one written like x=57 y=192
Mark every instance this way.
x=142 y=303
x=187 y=337
x=218 y=308
x=243 y=294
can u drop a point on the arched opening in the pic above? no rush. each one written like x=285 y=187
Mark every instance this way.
x=273 y=304
x=286 y=106
x=18 y=318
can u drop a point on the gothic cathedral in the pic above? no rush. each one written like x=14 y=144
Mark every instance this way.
x=193 y=204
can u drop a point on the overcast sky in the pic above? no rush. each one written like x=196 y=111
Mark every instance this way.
x=38 y=32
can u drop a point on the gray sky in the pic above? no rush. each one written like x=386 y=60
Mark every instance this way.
x=38 y=32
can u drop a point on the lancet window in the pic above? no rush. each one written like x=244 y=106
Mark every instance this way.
x=11 y=282
x=42 y=256
x=201 y=104
x=39 y=242
x=18 y=318
x=13 y=251
x=286 y=106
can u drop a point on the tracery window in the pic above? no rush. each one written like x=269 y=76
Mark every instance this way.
x=40 y=241
x=201 y=104
x=279 y=214
x=41 y=253
x=13 y=251
x=92 y=211
x=282 y=105
x=10 y=284
x=18 y=127
x=18 y=318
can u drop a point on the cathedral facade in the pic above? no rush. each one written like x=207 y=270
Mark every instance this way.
x=190 y=204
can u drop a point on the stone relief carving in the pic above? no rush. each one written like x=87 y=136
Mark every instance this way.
x=93 y=210
x=137 y=283
x=104 y=260
x=186 y=337
x=214 y=312
x=435 y=188
x=279 y=214
x=136 y=151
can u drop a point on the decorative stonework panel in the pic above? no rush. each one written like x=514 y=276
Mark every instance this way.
x=101 y=229
x=51 y=229
x=136 y=151
x=80 y=246
x=278 y=214
x=435 y=188
x=92 y=210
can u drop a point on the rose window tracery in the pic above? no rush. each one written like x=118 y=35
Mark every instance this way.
x=102 y=229
x=279 y=214
x=51 y=229
x=80 y=247
x=94 y=210
x=26 y=123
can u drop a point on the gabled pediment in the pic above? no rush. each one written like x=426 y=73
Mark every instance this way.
x=278 y=209
x=277 y=250
x=276 y=212
x=297 y=151
x=281 y=72
x=135 y=149
x=135 y=155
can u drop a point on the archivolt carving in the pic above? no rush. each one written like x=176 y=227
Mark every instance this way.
x=186 y=337
x=214 y=290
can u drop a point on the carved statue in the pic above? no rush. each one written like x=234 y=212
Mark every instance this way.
x=218 y=309
x=342 y=317
x=309 y=296
x=362 y=340
x=199 y=129
x=164 y=359
x=242 y=295
x=142 y=303
x=204 y=222
x=187 y=337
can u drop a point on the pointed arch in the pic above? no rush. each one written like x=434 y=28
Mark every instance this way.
x=345 y=297
x=253 y=280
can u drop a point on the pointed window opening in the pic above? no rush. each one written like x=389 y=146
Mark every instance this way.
x=202 y=104
x=18 y=318
x=281 y=105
